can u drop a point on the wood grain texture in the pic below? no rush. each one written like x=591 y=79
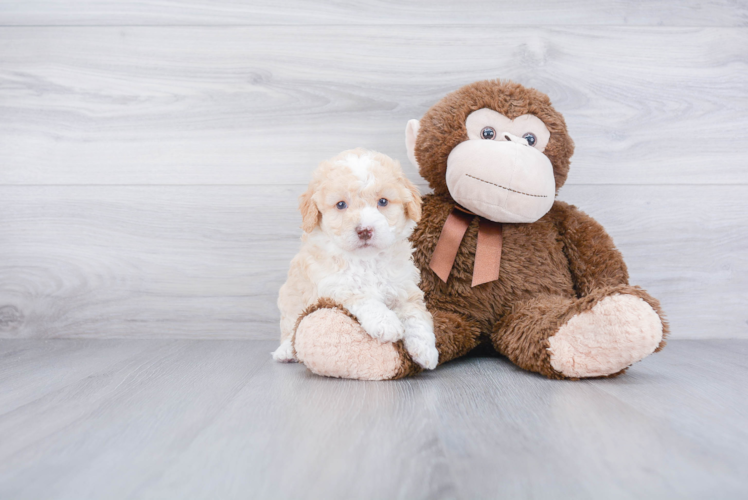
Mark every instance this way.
x=137 y=393
x=207 y=261
x=263 y=105
x=304 y=12
x=217 y=419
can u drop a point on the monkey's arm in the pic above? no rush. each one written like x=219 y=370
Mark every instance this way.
x=594 y=260
x=596 y=264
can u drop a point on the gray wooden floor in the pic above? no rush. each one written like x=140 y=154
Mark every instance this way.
x=217 y=419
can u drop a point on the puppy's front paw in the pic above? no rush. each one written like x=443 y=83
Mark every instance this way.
x=423 y=351
x=284 y=354
x=383 y=325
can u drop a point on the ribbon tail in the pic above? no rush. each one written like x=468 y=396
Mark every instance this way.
x=449 y=243
x=487 y=252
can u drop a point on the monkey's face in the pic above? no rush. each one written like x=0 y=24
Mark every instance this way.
x=498 y=148
x=500 y=172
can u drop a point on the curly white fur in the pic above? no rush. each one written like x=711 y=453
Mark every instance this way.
x=374 y=278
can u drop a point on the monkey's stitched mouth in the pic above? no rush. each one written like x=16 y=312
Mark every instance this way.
x=504 y=187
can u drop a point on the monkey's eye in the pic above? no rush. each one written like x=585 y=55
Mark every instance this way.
x=341 y=205
x=382 y=202
x=488 y=133
x=530 y=138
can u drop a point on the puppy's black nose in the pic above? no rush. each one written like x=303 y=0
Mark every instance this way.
x=364 y=233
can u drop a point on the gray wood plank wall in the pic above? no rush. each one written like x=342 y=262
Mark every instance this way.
x=151 y=153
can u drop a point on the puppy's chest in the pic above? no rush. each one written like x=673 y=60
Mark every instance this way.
x=375 y=277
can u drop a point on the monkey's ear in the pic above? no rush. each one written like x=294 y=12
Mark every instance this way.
x=310 y=215
x=413 y=201
x=411 y=134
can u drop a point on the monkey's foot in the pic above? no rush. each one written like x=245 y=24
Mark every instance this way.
x=331 y=343
x=617 y=332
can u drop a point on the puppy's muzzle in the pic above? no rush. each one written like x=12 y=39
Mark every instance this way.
x=364 y=233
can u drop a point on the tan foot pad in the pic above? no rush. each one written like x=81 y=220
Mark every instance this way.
x=332 y=344
x=617 y=332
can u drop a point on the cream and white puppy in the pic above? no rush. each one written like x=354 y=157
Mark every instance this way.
x=357 y=215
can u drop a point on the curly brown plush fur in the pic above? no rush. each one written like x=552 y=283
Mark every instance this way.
x=551 y=269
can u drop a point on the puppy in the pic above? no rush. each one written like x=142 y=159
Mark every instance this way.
x=357 y=216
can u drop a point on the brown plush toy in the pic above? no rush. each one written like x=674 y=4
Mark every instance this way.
x=502 y=262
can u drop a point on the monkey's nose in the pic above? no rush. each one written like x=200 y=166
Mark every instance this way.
x=364 y=233
x=513 y=138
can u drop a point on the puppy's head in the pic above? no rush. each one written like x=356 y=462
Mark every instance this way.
x=361 y=200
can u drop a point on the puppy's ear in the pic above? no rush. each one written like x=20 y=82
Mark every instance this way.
x=413 y=201
x=310 y=215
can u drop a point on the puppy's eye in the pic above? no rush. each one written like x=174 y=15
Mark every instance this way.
x=488 y=133
x=530 y=138
x=341 y=205
x=382 y=202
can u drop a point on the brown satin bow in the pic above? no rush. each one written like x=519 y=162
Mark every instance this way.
x=487 y=249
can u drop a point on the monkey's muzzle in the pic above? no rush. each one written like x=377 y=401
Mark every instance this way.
x=503 y=181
